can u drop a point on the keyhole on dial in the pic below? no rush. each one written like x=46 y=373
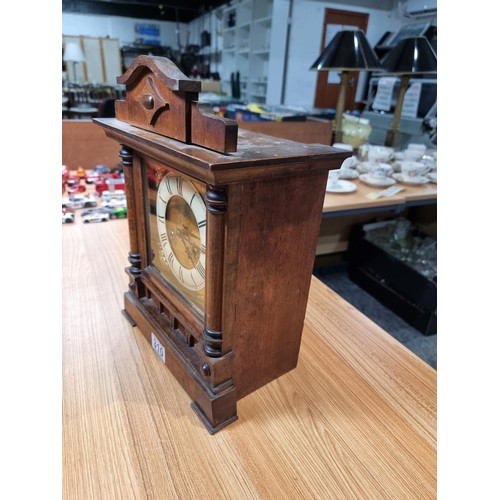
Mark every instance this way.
x=148 y=101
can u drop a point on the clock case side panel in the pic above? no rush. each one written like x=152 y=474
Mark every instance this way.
x=272 y=229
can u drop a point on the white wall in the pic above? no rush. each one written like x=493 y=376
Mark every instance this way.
x=120 y=27
x=211 y=22
x=305 y=43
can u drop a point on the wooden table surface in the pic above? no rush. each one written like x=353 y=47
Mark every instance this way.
x=356 y=418
x=359 y=199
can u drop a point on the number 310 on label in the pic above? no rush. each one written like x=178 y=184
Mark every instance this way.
x=158 y=348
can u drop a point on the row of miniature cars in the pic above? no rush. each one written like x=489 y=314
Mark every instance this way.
x=99 y=206
x=109 y=199
x=95 y=214
x=76 y=201
x=103 y=214
x=113 y=206
x=101 y=177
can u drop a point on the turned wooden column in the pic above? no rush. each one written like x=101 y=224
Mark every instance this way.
x=216 y=201
x=134 y=256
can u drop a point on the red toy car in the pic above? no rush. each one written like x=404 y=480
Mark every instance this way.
x=97 y=172
x=111 y=184
x=65 y=175
x=77 y=188
x=73 y=185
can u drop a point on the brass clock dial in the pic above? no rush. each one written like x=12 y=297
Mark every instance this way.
x=181 y=223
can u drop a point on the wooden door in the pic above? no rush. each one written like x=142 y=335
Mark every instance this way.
x=327 y=93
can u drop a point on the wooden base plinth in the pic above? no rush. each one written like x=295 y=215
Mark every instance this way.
x=215 y=410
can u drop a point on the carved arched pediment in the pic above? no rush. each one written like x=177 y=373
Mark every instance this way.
x=160 y=98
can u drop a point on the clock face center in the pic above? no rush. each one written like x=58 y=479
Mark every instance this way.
x=183 y=232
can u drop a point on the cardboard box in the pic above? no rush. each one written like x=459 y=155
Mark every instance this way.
x=409 y=294
x=211 y=86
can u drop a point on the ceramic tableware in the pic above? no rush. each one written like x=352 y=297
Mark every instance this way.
x=380 y=170
x=432 y=176
x=348 y=168
x=414 y=152
x=363 y=166
x=341 y=186
x=350 y=162
x=377 y=181
x=333 y=179
x=413 y=168
x=416 y=180
x=380 y=154
x=348 y=173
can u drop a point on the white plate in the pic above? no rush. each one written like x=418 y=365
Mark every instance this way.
x=433 y=177
x=414 y=181
x=341 y=187
x=376 y=181
x=351 y=174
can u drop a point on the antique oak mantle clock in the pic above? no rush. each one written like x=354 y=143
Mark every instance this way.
x=223 y=228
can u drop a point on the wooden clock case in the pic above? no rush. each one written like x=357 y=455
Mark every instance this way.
x=264 y=204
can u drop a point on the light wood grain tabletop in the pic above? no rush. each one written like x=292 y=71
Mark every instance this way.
x=355 y=420
x=360 y=199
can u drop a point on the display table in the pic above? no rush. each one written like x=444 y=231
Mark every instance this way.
x=359 y=201
x=355 y=419
x=342 y=211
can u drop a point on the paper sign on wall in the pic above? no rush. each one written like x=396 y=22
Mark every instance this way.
x=147 y=33
x=412 y=100
x=385 y=90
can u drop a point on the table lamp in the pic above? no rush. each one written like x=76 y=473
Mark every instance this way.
x=411 y=56
x=73 y=54
x=348 y=52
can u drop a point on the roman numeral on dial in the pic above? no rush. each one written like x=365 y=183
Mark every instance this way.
x=199 y=267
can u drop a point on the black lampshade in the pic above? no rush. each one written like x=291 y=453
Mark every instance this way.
x=409 y=56
x=349 y=50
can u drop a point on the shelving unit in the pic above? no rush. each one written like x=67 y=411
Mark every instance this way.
x=209 y=56
x=247 y=48
x=245 y=36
